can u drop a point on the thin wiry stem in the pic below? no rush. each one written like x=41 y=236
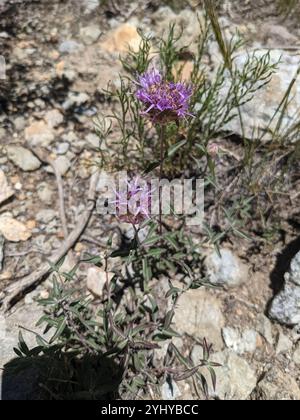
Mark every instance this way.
x=161 y=169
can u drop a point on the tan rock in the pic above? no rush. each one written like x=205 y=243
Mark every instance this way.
x=54 y=118
x=13 y=230
x=198 y=313
x=186 y=69
x=277 y=386
x=31 y=224
x=96 y=279
x=121 y=39
x=79 y=247
x=5 y=191
x=59 y=68
x=6 y=275
x=39 y=134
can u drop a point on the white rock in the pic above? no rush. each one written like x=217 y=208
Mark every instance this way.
x=23 y=158
x=46 y=215
x=296 y=356
x=75 y=99
x=198 y=313
x=227 y=271
x=63 y=165
x=62 y=148
x=90 y=34
x=54 y=118
x=69 y=46
x=2 y=327
x=93 y=140
x=5 y=190
x=284 y=344
x=170 y=391
x=45 y=193
x=96 y=279
x=235 y=379
x=285 y=307
x=264 y=327
x=1 y=252
x=240 y=342
x=12 y=230
x=19 y=123
x=258 y=112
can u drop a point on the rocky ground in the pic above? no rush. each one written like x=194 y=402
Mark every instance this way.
x=60 y=56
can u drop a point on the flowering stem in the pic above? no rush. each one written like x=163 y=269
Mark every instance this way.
x=162 y=144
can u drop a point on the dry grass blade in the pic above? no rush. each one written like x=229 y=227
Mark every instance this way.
x=212 y=14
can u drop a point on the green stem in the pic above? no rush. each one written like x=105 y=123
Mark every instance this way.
x=162 y=143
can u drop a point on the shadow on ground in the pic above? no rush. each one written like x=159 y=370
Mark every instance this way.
x=283 y=265
x=60 y=376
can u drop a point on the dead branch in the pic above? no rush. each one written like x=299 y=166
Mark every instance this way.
x=15 y=292
x=43 y=157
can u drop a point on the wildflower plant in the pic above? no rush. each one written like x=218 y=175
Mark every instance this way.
x=164 y=101
x=133 y=204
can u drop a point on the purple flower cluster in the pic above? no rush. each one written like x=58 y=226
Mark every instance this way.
x=133 y=204
x=164 y=101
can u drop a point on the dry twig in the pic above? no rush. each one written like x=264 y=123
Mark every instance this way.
x=15 y=292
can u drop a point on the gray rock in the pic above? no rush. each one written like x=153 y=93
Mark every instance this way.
x=284 y=344
x=39 y=134
x=1 y=251
x=25 y=316
x=19 y=123
x=69 y=46
x=235 y=378
x=54 y=118
x=23 y=158
x=198 y=313
x=75 y=99
x=294 y=274
x=264 y=327
x=277 y=386
x=296 y=356
x=45 y=193
x=63 y=165
x=5 y=190
x=240 y=342
x=285 y=307
x=93 y=140
x=46 y=215
x=170 y=391
x=62 y=148
x=227 y=271
x=90 y=34
x=22 y=385
x=258 y=112
x=90 y=5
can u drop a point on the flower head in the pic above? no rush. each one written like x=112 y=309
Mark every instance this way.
x=133 y=204
x=164 y=101
x=213 y=149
